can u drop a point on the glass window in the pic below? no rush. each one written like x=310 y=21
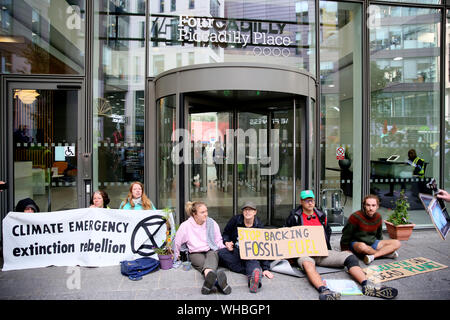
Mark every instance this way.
x=167 y=172
x=42 y=37
x=276 y=32
x=414 y=1
x=341 y=100
x=447 y=113
x=118 y=81
x=405 y=107
x=45 y=146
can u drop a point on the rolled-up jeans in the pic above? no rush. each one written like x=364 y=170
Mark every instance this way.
x=204 y=260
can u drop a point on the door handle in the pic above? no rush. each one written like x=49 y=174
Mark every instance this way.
x=86 y=165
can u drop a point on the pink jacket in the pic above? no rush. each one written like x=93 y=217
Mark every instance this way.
x=194 y=236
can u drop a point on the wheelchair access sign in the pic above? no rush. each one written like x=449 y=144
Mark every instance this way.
x=69 y=151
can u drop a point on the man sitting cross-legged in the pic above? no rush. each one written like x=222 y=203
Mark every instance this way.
x=363 y=235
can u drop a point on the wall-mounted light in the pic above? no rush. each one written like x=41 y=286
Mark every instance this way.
x=26 y=96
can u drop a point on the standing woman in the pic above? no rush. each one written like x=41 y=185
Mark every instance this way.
x=99 y=199
x=201 y=235
x=136 y=199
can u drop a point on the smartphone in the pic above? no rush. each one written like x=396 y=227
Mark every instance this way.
x=3 y=186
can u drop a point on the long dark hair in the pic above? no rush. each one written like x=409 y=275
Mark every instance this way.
x=104 y=196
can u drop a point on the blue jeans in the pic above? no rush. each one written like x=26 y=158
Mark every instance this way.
x=232 y=260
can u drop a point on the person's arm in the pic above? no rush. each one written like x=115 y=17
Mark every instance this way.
x=179 y=239
x=218 y=236
x=227 y=234
x=379 y=234
x=444 y=195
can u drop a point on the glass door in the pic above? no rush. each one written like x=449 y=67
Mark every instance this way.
x=252 y=151
x=210 y=170
x=47 y=160
x=242 y=148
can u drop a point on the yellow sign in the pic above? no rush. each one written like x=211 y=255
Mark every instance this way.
x=401 y=269
x=281 y=243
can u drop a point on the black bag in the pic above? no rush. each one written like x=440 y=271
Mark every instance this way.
x=135 y=269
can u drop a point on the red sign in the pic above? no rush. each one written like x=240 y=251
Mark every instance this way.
x=340 y=153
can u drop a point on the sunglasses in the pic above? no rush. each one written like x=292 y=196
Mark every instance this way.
x=311 y=217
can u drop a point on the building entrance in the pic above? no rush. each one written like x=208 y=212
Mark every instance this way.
x=230 y=133
x=245 y=146
x=47 y=158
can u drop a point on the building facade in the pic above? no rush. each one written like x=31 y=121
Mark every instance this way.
x=224 y=101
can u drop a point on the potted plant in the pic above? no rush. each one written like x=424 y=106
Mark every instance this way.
x=398 y=225
x=165 y=252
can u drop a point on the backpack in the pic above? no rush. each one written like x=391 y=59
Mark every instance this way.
x=135 y=269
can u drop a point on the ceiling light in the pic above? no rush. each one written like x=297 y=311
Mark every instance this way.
x=398 y=58
x=26 y=96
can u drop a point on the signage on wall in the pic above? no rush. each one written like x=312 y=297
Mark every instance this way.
x=223 y=31
x=340 y=153
x=268 y=38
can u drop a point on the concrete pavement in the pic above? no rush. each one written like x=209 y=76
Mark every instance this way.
x=107 y=283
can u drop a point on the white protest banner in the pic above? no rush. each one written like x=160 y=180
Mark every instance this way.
x=281 y=243
x=84 y=237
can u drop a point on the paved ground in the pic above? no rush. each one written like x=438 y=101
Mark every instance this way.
x=106 y=283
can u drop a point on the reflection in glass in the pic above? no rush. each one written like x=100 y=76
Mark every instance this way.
x=277 y=32
x=42 y=37
x=45 y=148
x=405 y=106
x=252 y=149
x=211 y=166
x=242 y=149
x=167 y=170
x=341 y=101
x=447 y=116
x=119 y=57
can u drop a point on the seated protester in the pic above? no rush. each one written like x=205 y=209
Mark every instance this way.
x=307 y=215
x=27 y=205
x=201 y=235
x=362 y=234
x=229 y=256
x=99 y=199
x=136 y=199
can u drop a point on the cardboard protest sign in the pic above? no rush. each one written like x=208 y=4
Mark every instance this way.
x=281 y=243
x=84 y=237
x=401 y=269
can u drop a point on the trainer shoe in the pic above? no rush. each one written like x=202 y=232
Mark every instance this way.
x=210 y=279
x=255 y=280
x=393 y=255
x=222 y=282
x=379 y=291
x=327 y=294
x=368 y=259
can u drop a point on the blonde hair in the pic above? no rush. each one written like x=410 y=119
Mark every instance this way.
x=191 y=207
x=146 y=203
